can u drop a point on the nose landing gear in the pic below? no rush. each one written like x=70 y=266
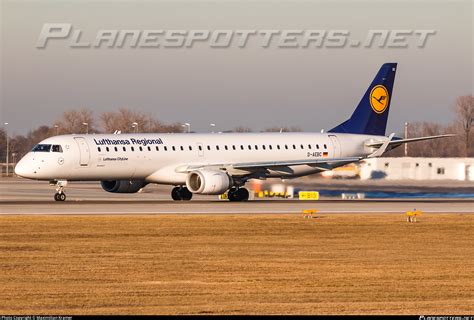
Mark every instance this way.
x=60 y=185
x=60 y=196
x=181 y=193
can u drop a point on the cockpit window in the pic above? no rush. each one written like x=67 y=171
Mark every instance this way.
x=57 y=148
x=42 y=148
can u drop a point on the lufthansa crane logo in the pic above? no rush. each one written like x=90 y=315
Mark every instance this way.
x=379 y=99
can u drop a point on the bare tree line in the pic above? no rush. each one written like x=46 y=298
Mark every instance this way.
x=460 y=146
x=80 y=121
x=126 y=121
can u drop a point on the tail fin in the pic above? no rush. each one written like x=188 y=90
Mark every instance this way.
x=371 y=115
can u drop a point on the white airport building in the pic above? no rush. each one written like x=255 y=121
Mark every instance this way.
x=408 y=168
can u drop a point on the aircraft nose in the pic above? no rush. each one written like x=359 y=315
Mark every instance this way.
x=22 y=169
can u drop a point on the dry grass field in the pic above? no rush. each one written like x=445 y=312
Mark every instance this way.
x=237 y=264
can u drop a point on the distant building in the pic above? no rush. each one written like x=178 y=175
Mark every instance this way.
x=417 y=169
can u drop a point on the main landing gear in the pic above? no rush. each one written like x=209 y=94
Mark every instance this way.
x=60 y=185
x=234 y=194
x=181 y=193
x=238 y=194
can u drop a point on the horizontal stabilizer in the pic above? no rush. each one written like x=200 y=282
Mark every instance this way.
x=378 y=144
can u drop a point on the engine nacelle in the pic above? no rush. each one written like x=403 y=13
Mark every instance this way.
x=208 y=182
x=123 y=186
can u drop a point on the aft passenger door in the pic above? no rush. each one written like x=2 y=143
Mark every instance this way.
x=336 y=146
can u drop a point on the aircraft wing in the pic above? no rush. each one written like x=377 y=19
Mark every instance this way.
x=323 y=164
x=378 y=144
x=310 y=162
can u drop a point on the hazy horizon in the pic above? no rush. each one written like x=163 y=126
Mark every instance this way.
x=311 y=88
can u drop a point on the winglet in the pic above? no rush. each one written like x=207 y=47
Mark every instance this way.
x=382 y=148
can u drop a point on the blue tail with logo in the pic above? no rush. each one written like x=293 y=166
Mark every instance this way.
x=371 y=115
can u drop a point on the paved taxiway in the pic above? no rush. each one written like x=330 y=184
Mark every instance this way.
x=19 y=196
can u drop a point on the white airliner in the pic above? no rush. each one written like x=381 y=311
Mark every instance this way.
x=214 y=163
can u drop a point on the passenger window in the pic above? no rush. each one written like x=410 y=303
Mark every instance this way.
x=286 y=146
x=124 y=149
x=133 y=149
x=217 y=148
x=278 y=146
x=107 y=149
x=98 y=149
x=233 y=147
x=325 y=147
x=225 y=147
x=141 y=149
x=115 y=148
x=294 y=147
x=174 y=149
x=270 y=146
x=166 y=148
x=317 y=146
x=250 y=147
x=309 y=146
x=182 y=148
x=149 y=148
x=200 y=148
x=302 y=147
x=263 y=147
x=241 y=147
x=57 y=148
x=256 y=147
x=209 y=148
x=157 y=149
x=190 y=148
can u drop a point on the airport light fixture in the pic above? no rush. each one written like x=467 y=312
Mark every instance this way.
x=187 y=125
x=57 y=129
x=135 y=126
x=212 y=125
x=8 y=148
x=406 y=137
x=87 y=127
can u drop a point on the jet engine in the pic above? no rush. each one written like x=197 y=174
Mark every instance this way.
x=123 y=186
x=208 y=182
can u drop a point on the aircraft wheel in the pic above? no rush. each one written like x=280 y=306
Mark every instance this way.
x=60 y=196
x=231 y=194
x=176 y=194
x=242 y=194
x=185 y=194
